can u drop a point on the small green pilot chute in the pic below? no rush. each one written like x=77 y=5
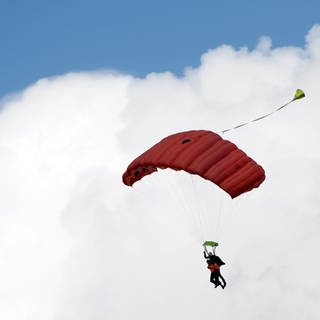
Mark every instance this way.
x=299 y=94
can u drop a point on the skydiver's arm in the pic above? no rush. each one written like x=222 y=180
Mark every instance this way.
x=205 y=255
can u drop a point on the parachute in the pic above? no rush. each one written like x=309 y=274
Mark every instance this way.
x=203 y=153
x=206 y=154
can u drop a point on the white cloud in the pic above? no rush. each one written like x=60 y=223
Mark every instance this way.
x=78 y=244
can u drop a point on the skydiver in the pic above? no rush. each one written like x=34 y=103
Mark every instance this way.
x=214 y=263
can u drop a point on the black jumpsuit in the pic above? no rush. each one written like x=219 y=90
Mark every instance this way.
x=215 y=274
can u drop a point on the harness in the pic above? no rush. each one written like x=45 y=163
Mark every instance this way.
x=213 y=266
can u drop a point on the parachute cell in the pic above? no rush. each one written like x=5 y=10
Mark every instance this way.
x=203 y=153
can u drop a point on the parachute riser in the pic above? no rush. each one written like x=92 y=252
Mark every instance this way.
x=213 y=245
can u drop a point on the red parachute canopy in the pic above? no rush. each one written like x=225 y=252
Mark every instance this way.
x=203 y=153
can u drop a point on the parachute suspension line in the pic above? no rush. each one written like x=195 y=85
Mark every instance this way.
x=185 y=200
x=298 y=95
x=176 y=193
x=209 y=216
x=193 y=201
x=218 y=220
x=201 y=213
x=208 y=207
x=234 y=205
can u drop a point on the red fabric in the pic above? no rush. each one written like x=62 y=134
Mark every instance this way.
x=203 y=153
x=213 y=267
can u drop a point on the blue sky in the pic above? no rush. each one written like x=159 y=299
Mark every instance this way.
x=46 y=38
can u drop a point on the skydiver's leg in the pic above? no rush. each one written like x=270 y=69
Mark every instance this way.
x=224 y=281
x=214 y=278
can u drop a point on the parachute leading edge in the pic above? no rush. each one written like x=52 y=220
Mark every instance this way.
x=203 y=153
